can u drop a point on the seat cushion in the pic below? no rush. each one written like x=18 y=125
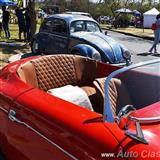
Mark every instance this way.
x=118 y=93
x=55 y=71
x=92 y=94
x=27 y=73
x=89 y=90
x=72 y=94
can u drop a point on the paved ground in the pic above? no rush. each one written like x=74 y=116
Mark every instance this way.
x=139 y=47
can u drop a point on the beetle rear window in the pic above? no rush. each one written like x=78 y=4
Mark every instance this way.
x=55 y=26
x=85 y=26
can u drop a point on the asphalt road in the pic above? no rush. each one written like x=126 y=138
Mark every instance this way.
x=139 y=47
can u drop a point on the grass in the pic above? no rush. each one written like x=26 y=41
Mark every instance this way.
x=6 y=51
x=14 y=34
x=132 y=30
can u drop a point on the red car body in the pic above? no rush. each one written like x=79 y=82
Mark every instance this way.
x=47 y=127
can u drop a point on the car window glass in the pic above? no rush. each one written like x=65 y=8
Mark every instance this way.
x=46 y=26
x=92 y=27
x=87 y=26
x=77 y=26
x=59 y=26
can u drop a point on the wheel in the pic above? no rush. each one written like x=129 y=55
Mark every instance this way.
x=35 y=47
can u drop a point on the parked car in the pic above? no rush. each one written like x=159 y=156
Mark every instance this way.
x=104 y=19
x=63 y=107
x=77 y=34
x=42 y=14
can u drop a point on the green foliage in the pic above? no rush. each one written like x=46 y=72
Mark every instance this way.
x=20 y=3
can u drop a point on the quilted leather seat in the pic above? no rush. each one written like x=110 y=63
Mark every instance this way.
x=117 y=100
x=59 y=70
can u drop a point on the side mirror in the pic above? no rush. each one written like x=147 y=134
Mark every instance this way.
x=106 y=32
x=123 y=116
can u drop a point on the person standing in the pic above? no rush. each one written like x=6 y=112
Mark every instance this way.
x=156 y=35
x=5 y=21
x=21 y=22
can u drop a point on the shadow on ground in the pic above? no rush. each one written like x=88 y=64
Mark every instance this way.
x=14 y=49
x=156 y=55
x=144 y=54
x=149 y=54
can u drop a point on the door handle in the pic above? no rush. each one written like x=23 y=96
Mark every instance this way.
x=12 y=116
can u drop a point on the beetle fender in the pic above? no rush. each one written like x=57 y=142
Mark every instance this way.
x=84 y=50
x=40 y=42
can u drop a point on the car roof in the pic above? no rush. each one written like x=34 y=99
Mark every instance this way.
x=79 y=13
x=71 y=17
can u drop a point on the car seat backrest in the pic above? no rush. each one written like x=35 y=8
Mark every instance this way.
x=118 y=93
x=58 y=70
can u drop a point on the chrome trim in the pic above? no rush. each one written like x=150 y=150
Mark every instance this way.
x=107 y=113
x=139 y=136
x=146 y=120
x=12 y=117
x=4 y=110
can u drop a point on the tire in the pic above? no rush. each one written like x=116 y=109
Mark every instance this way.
x=35 y=47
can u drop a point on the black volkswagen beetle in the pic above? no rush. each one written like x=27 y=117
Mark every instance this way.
x=77 y=34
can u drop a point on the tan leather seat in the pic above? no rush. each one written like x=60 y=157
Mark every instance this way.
x=118 y=94
x=59 y=70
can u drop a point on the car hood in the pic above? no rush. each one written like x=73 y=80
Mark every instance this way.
x=151 y=133
x=110 y=48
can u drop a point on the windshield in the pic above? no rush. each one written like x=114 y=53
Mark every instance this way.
x=137 y=85
x=85 y=26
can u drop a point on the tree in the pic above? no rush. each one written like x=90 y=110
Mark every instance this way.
x=32 y=13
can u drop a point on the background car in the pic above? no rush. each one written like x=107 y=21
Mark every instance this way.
x=52 y=107
x=77 y=34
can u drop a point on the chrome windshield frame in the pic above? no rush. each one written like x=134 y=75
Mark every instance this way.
x=107 y=113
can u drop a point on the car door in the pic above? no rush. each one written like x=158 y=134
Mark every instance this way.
x=43 y=36
x=42 y=127
x=5 y=104
x=58 y=37
x=26 y=135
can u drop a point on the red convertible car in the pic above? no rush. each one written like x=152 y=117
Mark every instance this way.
x=61 y=107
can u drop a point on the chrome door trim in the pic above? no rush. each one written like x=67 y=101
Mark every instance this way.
x=4 y=110
x=12 y=117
